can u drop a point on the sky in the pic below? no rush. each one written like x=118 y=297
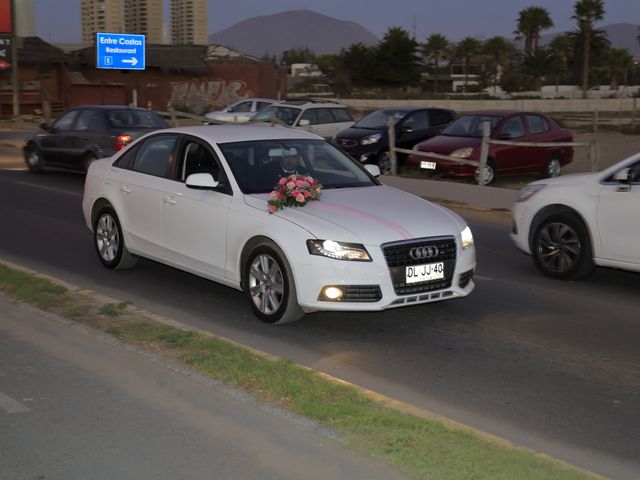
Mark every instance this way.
x=59 y=20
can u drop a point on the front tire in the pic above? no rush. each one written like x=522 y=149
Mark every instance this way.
x=562 y=247
x=384 y=162
x=269 y=286
x=109 y=241
x=552 y=169
x=34 y=159
x=489 y=173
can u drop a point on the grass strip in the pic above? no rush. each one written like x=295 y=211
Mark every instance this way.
x=418 y=447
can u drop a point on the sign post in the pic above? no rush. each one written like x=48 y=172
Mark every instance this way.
x=120 y=51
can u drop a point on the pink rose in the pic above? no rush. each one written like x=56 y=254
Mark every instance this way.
x=282 y=181
x=273 y=195
x=306 y=193
x=296 y=192
x=272 y=208
x=300 y=198
x=291 y=185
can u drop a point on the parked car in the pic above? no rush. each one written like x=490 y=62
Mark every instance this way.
x=82 y=134
x=241 y=111
x=463 y=138
x=320 y=117
x=572 y=223
x=368 y=139
x=362 y=246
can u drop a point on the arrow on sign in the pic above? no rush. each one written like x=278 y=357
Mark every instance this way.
x=133 y=61
x=4 y=65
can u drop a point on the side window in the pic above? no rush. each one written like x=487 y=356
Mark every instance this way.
x=537 y=124
x=440 y=117
x=155 y=156
x=310 y=114
x=196 y=158
x=417 y=121
x=241 y=107
x=324 y=115
x=341 y=115
x=261 y=106
x=126 y=159
x=66 y=121
x=513 y=127
x=86 y=120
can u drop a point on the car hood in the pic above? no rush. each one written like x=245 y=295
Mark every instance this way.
x=355 y=133
x=368 y=215
x=447 y=144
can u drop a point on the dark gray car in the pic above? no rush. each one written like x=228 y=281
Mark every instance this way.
x=82 y=134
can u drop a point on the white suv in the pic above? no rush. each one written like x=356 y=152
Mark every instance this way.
x=322 y=118
x=241 y=111
x=574 y=222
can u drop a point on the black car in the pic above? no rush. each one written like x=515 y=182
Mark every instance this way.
x=82 y=134
x=368 y=140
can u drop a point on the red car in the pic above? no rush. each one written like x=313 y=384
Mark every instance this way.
x=463 y=138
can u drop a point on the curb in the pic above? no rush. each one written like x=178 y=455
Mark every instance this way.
x=399 y=405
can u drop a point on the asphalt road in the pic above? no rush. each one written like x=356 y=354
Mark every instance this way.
x=553 y=366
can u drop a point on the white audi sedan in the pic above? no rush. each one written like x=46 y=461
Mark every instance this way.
x=196 y=198
x=572 y=223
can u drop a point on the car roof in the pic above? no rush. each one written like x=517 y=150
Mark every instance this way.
x=500 y=113
x=242 y=132
x=305 y=103
x=110 y=107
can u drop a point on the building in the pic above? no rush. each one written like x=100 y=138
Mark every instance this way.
x=189 y=22
x=25 y=18
x=101 y=16
x=144 y=17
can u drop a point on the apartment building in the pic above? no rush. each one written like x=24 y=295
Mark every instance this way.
x=142 y=17
x=189 y=22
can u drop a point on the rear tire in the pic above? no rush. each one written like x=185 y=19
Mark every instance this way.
x=34 y=159
x=269 y=286
x=552 y=169
x=562 y=247
x=109 y=241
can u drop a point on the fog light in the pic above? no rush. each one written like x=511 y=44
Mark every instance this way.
x=333 y=293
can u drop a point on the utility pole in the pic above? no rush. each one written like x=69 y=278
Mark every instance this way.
x=15 y=87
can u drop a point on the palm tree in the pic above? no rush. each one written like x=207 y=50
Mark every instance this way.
x=531 y=22
x=435 y=49
x=562 y=48
x=498 y=48
x=465 y=50
x=537 y=64
x=587 y=12
x=618 y=60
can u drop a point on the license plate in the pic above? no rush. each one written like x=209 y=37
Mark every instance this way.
x=425 y=272
x=428 y=165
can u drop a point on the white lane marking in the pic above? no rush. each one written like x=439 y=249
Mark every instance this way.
x=481 y=277
x=58 y=190
x=10 y=405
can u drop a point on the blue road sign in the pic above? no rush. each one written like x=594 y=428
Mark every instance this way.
x=120 y=51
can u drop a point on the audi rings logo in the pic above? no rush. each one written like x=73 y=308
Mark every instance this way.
x=420 y=253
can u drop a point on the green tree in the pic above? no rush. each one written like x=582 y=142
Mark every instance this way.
x=531 y=22
x=297 y=55
x=465 y=50
x=435 y=49
x=537 y=64
x=618 y=60
x=499 y=50
x=562 y=48
x=358 y=62
x=397 y=59
x=599 y=45
x=586 y=14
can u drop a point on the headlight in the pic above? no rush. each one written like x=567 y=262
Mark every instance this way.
x=339 y=250
x=462 y=152
x=466 y=238
x=371 y=139
x=529 y=191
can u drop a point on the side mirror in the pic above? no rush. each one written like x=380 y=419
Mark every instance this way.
x=304 y=122
x=46 y=127
x=201 y=181
x=374 y=170
x=624 y=178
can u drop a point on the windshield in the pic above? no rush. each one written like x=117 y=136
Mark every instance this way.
x=378 y=120
x=134 y=119
x=286 y=115
x=471 y=126
x=258 y=165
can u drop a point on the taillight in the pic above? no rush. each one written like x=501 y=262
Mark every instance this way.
x=121 y=142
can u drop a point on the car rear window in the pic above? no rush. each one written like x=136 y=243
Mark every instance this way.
x=537 y=124
x=341 y=115
x=134 y=119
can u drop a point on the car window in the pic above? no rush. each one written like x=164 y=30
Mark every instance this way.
x=196 y=158
x=155 y=156
x=286 y=115
x=440 y=117
x=134 y=119
x=471 y=126
x=85 y=120
x=634 y=170
x=417 y=121
x=261 y=106
x=258 y=165
x=310 y=114
x=126 y=159
x=324 y=115
x=537 y=124
x=342 y=115
x=514 y=127
x=241 y=107
x=65 y=122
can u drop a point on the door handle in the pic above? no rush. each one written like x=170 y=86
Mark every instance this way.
x=170 y=200
x=125 y=189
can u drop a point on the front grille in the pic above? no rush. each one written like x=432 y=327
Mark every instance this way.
x=465 y=278
x=356 y=293
x=343 y=142
x=398 y=258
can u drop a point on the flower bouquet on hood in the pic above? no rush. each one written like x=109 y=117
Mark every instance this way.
x=293 y=191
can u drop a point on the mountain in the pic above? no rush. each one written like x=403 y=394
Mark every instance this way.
x=621 y=35
x=273 y=34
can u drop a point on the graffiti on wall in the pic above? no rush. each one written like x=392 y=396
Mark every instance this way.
x=201 y=96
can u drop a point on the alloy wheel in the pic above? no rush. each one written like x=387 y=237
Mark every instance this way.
x=107 y=237
x=266 y=284
x=558 y=247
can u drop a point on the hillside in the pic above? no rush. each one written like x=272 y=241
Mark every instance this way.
x=621 y=35
x=273 y=34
